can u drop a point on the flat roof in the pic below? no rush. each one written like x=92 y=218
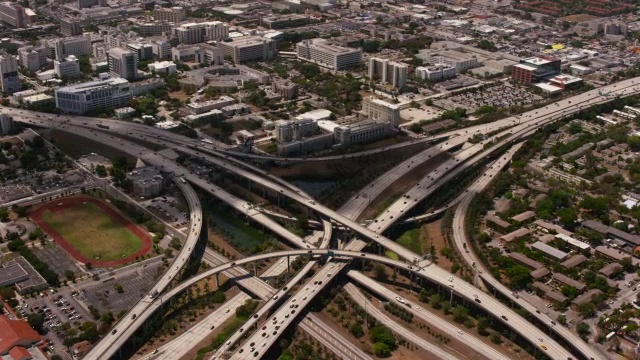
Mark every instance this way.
x=537 y=61
x=574 y=242
x=525 y=67
x=549 y=250
x=11 y=273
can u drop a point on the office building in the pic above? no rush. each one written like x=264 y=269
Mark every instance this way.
x=249 y=48
x=191 y=33
x=155 y=29
x=174 y=14
x=615 y=28
x=535 y=69
x=289 y=131
x=17 y=336
x=286 y=89
x=70 y=27
x=141 y=51
x=436 y=72
x=213 y=55
x=6 y=126
x=381 y=111
x=386 y=71
x=77 y=45
x=13 y=15
x=122 y=63
x=187 y=53
x=206 y=106
x=216 y=30
x=32 y=58
x=161 y=49
x=9 y=81
x=67 y=68
x=147 y=181
x=94 y=95
x=328 y=55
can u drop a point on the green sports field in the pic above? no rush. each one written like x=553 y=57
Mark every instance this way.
x=92 y=233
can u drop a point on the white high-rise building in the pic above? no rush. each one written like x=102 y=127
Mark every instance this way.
x=386 y=71
x=32 y=58
x=288 y=131
x=77 y=45
x=94 y=95
x=9 y=80
x=437 y=72
x=381 y=111
x=122 y=63
x=191 y=33
x=328 y=55
x=216 y=30
x=13 y=14
x=249 y=48
x=67 y=68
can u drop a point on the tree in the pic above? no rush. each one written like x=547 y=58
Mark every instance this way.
x=107 y=318
x=381 y=350
x=218 y=297
x=519 y=276
x=627 y=264
x=568 y=217
x=379 y=272
x=435 y=301
x=460 y=314
x=587 y=309
x=118 y=288
x=583 y=329
x=562 y=319
x=101 y=170
x=36 y=321
x=596 y=205
x=4 y=214
x=487 y=45
x=383 y=335
x=496 y=337
x=356 y=330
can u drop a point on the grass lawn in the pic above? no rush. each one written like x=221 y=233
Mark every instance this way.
x=93 y=233
x=410 y=239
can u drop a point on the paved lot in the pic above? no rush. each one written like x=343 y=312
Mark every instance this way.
x=58 y=260
x=136 y=285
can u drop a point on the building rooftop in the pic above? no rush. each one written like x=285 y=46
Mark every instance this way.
x=516 y=234
x=14 y=332
x=586 y=297
x=526 y=261
x=12 y=273
x=549 y=250
x=574 y=261
x=573 y=242
x=93 y=85
x=568 y=281
x=536 y=61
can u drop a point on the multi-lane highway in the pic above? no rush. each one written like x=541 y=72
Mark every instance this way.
x=537 y=118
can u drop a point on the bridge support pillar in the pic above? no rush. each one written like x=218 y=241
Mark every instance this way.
x=288 y=264
x=217 y=280
x=255 y=269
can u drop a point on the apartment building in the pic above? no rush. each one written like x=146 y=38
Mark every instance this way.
x=174 y=14
x=10 y=82
x=249 y=48
x=289 y=131
x=161 y=49
x=328 y=55
x=94 y=95
x=286 y=89
x=386 y=71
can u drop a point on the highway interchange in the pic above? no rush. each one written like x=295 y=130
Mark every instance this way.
x=522 y=125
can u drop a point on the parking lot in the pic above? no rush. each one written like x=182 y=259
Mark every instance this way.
x=104 y=296
x=57 y=310
x=503 y=95
x=58 y=259
x=168 y=209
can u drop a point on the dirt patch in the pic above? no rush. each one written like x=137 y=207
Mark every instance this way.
x=76 y=146
x=435 y=238
x=180 y=95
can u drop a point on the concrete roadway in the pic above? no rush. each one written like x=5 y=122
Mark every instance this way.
x=107 y=347
x=426 y=315
x=320 y=331
x=394 y=326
